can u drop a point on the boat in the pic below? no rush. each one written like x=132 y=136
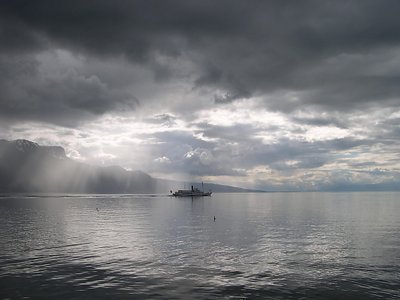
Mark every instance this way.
x=194 y=192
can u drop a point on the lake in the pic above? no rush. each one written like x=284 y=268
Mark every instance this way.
x=262 y=245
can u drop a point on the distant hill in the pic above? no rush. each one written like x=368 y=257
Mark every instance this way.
x=28 y=167
x=219 y=188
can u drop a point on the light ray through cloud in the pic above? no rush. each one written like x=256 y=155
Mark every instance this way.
x=292 y=97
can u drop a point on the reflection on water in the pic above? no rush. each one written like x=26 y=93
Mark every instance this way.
x=279 y=245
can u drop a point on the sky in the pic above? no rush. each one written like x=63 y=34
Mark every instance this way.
x=273 y=95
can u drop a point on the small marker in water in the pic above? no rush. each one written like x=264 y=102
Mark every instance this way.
x=214 y=218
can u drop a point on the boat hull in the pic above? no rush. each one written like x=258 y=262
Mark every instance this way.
x=177 y=194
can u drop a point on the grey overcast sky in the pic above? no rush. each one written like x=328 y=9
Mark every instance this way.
x=276 y=95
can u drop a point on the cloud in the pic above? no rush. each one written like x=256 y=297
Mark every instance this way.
x=229 y=97
x=241 y=48
x=274 y=92
x=165 y=119
x=31 y=90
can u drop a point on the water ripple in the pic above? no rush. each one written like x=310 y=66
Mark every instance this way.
x=260 y=246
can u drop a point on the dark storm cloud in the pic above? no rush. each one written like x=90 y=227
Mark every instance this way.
x=230 y=97
x=63 y=98
x=318 y=50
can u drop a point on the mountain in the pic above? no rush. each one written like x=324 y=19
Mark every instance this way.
x=26 y=166
x=219 y=188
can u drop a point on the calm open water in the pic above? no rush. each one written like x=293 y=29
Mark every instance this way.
x=272 y=245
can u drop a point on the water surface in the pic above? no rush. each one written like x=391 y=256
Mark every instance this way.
x=270 y=245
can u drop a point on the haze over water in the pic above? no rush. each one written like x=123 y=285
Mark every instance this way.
x=270 y=245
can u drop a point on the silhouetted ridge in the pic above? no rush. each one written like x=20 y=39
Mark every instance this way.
x=26 y=166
